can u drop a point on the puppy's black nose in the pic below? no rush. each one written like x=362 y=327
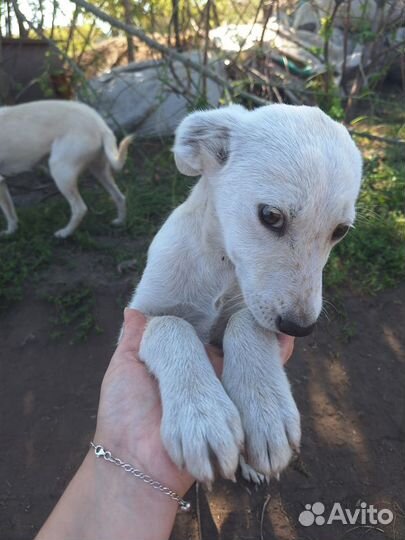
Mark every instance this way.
x=292 y=329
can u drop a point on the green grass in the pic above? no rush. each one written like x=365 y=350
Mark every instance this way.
x=25 y=253
x=372 y=257
x=153 y=190
x=74 y=313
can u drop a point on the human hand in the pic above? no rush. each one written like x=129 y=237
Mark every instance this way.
x=130 y=411
x=129 y=415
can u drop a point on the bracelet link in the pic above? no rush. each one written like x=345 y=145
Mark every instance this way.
x=98 y=450
x=184 y=505
x=107 y=455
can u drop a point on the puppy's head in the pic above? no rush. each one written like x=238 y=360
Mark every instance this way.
x=284 y=181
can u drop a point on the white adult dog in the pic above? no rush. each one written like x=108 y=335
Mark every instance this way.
x=75 y=137
x=238 y=262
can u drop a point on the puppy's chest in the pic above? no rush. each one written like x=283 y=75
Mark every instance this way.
x=226 y=305
x=224 y=300
x=210 y=311
x=210 y=321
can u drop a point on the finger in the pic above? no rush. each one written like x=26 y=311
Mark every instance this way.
x=286 y=346
x=133 y=328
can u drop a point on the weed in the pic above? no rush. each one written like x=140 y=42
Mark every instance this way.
x=372 y=256
x=153 y=191
x=74 y=311
x=24 y=254
x=330 y=101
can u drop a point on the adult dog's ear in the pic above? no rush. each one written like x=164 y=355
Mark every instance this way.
x=202 y=140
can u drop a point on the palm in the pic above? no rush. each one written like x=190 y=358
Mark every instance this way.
x=130 y=411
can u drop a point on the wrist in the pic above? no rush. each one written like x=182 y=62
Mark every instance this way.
x=132 y=504
x=103 y=501
x=150 y=458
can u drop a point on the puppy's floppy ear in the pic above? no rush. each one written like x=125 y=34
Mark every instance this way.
x=202 y=140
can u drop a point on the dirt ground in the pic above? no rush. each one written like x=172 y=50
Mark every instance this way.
x=348 y=379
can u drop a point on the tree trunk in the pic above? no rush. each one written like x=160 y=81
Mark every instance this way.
x=21 y=30
x=176 y=25
x=4 y=80
x=128 y=20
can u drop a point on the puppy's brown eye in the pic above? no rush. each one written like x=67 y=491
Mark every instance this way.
x=272 y=218
x=340 y=232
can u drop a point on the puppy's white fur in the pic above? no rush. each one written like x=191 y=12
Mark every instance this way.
x=75 y=137
x=216 y=274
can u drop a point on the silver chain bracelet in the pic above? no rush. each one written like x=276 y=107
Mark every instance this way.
x=106 y=454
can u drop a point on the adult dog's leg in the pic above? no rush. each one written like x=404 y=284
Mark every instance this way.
x=256 y=382
x=199 y=420
x=65 y=175
x=102 y=171
x=6 y=204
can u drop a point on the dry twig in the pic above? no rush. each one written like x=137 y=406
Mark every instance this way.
x=266 y=502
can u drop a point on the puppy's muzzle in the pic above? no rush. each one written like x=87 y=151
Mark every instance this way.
x=291 y=328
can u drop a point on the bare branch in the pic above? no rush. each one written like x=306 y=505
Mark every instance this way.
x=206 y=43
x=371 y=137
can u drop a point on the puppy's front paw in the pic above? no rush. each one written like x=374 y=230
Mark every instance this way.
x=197 y=429
x=250 y=474
x=272 y=428
x=255 y=380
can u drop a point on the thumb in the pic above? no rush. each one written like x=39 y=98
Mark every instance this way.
x=286 y=346
x=132 y=331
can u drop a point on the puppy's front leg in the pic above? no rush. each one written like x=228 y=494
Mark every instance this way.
x=198 y=416
x=256 y=382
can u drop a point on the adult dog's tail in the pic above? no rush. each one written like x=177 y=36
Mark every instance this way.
x=116 y=155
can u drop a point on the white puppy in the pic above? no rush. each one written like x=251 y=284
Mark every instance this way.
x=236 y=263
x=75 y=137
